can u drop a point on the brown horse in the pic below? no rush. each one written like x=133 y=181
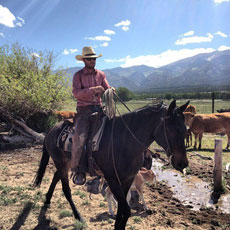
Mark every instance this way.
x=120 y=155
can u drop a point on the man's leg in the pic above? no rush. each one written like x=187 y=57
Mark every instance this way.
x=79 y=138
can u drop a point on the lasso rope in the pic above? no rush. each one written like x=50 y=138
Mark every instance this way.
x=109 y=109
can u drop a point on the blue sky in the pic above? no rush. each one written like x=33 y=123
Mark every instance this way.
x=126 y=32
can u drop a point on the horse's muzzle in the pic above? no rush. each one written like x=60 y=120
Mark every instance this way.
x=179 y=164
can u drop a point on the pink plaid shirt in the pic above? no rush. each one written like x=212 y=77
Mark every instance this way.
x=82 y=81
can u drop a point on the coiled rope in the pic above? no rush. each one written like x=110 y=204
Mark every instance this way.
x=109 y=104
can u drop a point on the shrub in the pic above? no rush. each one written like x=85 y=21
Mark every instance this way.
x=27 y=83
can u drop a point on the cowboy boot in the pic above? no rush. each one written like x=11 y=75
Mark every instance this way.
x=77 y=175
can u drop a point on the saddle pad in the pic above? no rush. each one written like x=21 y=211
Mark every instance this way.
x=64 y=140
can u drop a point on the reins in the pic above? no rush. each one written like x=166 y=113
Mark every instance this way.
x=110 y=110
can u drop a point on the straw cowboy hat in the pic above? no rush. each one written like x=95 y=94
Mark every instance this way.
x=87 y=52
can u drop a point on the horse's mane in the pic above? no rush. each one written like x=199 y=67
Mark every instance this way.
x=155 y=107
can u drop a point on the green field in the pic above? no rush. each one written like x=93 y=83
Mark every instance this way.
x=202 y=106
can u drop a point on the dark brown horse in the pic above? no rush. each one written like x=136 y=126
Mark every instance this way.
x=120 y=155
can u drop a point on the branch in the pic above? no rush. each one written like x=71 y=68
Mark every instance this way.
x=21 y=127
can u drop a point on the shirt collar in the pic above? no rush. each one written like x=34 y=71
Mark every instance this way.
x=85 y=71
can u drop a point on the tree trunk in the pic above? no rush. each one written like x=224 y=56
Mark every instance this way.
x=21 y=127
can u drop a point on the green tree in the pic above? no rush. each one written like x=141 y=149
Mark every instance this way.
x=124 y=93
x=27 y=83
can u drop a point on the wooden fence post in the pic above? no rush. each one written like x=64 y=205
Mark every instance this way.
x=213 y=101
x=217 y=171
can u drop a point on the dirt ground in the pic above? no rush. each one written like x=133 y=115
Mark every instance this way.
x=21 y=206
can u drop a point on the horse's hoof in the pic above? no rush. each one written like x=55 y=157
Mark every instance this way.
x=81 y=220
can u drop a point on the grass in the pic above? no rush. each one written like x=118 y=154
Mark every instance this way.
x=202 y=106
x=137 y=219
x=208 y=142
x=80 y=226
x=65 y=213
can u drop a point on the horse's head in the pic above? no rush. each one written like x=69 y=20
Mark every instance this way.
x=171 y=135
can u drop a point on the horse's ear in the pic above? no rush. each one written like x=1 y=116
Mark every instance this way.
x=172 y=106
x=183 y=107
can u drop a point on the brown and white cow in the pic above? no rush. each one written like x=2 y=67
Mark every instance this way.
x=142 y=176
x=208 y=123
x=62 y=115
x=191 y=109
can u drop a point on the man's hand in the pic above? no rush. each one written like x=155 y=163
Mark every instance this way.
x=113 y=89
x=98 y=90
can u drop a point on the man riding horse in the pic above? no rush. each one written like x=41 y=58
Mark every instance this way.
x=88 y=86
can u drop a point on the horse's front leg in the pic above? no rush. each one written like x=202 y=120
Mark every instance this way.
x=123 y=214
x=123 y=211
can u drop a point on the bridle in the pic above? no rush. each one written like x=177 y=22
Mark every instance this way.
x=135 y=138
x=162 y=121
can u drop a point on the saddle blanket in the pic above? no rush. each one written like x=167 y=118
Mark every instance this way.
x=64 y=140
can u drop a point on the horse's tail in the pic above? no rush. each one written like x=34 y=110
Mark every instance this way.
x=42 y=167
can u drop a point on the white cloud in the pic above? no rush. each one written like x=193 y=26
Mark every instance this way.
x=221 y=34
x=69 y=51
x=105 y=44
x=99 y=38
x=109 y=32
x=65 y=52
x=195 y=39
x=20 y=22
x=161 y=59
x=116 y=60
x=125 y=28
x=189 y=33
x=8 y=19
x=73 y=50
x=36 y=55
x=221 y=1
x=2 y=35
x=123 y=23
x=222 y=48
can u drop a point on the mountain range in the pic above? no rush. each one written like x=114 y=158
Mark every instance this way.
x=209 y=70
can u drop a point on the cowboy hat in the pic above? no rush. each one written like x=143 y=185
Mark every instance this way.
x=87 y=52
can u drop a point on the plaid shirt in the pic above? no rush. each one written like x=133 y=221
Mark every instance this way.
x=82 y=81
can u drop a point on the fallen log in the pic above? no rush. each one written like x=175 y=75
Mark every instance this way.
x=21 y=127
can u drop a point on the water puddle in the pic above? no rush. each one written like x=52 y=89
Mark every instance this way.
x=190 y=190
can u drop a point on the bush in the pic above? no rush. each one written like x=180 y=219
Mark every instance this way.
x=27 y=83
x=124 y=93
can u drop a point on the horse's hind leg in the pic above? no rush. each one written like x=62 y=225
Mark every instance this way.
x=67 y=191
x=49 y=194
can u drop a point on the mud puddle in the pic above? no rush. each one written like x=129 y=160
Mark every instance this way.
x=190 y=190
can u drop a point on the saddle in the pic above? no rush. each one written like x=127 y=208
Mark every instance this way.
x=64 y=141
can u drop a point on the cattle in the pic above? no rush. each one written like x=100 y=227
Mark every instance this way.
x=188 y=138
x=191 y=109
x=223 y=110
x=208 y=123
x=142 y=176
x=188 y=118
x=63 y=115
